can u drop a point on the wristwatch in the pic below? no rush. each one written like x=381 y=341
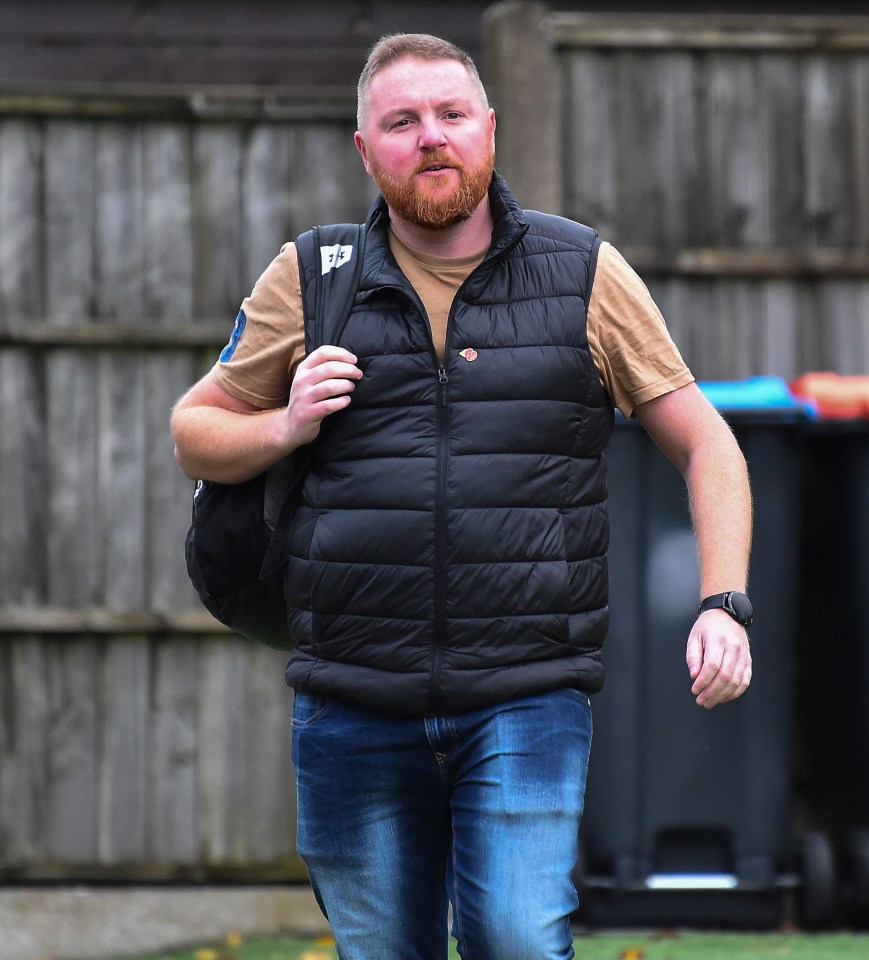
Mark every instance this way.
x=736 y=604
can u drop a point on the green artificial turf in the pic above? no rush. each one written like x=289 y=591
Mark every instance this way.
x=592 y=946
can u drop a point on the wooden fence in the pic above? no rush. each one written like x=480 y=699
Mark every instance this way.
x=727 y=157
x=136 y=739
x=139 y=741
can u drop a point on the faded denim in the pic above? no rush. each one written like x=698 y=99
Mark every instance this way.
x=397 y=817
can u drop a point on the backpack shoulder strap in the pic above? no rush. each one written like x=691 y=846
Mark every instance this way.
x=592 y=269
x=330 y=265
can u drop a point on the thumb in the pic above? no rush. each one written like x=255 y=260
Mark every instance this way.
x=694 y=654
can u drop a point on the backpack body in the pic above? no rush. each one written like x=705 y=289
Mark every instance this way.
x=235 y=545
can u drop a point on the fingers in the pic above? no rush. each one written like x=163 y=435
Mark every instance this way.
x=328 y=353
x=331 y=381
x=321 y=386
x=328 y=370
x=329 y=362
x=718 y=658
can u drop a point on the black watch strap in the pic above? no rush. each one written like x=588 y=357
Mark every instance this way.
x=732 y=602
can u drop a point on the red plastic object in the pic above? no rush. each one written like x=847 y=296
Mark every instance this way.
x=838 y=397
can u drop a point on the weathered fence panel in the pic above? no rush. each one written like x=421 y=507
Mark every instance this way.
x=129 y=745
x=144 y=756
x=727 y=157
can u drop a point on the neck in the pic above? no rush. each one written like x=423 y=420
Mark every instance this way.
x=460 y=240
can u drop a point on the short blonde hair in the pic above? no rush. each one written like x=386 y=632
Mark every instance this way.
x=393 y=47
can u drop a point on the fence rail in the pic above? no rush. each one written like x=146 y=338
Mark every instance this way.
x=675 y=31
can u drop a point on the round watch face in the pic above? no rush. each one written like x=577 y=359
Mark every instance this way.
x=741 y=606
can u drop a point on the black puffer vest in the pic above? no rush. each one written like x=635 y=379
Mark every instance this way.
x=450 y=548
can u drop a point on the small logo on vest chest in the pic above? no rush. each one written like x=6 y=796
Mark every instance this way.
x=469 y=353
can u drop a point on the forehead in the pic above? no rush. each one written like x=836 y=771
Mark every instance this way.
x=412 y=82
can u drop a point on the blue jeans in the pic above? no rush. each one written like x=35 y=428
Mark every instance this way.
x=397 y=817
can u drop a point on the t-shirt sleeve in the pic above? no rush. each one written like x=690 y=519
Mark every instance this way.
x=268 y=340
x=628 y=337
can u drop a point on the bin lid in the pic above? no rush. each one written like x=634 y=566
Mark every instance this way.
x=753 y=397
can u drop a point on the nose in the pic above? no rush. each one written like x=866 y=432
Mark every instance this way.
x=431 y=136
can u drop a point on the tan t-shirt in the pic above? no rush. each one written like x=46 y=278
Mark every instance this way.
x=634 y=354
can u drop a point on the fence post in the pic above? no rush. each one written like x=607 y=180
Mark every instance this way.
x=521 y=78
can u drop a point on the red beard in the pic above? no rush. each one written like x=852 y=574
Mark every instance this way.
x=415 y=204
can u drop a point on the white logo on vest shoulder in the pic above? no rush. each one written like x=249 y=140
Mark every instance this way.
x=335 y=256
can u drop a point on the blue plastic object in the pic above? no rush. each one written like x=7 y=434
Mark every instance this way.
x=755 y=393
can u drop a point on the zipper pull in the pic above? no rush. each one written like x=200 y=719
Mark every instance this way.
x=443 y=380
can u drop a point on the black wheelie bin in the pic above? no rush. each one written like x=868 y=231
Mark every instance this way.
x=833 y=663
x=688 y=812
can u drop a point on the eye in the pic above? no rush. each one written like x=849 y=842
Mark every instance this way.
x=453 y=115
x=402 y=122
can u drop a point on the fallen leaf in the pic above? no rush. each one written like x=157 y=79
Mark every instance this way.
x=234 y=940
x=633 y=953
x=207 y=953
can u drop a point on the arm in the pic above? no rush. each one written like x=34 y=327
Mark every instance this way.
x=698 y=441
x=219 y=437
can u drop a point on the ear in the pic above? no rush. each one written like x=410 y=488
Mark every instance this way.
x=360 y=146
x=492 y=124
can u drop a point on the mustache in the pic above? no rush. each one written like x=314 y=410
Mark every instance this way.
x=438 y=159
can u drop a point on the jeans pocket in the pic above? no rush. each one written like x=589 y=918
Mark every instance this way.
x=308 y=709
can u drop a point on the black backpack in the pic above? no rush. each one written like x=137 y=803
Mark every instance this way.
x=236 y=545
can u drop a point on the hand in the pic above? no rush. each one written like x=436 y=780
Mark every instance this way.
x=719 y=659
x=322 y=385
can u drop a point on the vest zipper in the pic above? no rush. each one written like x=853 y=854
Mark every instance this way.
x=443 y=380
x=440 y=566
x=440 y=546
x=440 y=558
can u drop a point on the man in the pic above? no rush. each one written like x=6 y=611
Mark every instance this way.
x=447 y=581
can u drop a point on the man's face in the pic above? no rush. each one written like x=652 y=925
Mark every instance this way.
x=429 y=141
